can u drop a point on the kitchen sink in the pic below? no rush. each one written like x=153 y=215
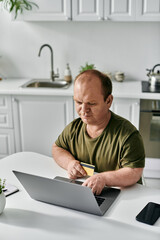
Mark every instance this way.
x=45 y=83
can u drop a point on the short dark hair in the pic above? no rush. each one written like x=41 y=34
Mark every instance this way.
x=105 y=81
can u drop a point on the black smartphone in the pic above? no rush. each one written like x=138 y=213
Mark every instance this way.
x=149 y=214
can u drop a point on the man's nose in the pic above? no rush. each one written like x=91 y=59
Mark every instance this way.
x=85 y=108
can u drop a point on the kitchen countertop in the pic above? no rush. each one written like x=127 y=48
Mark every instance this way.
x=126 y=89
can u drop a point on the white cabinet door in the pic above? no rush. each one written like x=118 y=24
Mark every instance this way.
x=127 y=108
x=87 y=10
x=39 y=121
x=5 y=112
x=7 y=146
x=119 y=10
x=148 y=10
x=93 y=10
x=49 y=10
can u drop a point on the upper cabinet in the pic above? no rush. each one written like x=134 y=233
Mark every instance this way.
x=49 y=10
x=148 y=10
x=87 y=10
x=94 y=10
x=103 y=10
x=116 y=10
x=120 y=10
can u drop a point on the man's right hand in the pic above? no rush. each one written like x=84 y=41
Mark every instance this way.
x=75 y=170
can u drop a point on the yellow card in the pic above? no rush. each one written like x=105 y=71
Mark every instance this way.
x=88 y=168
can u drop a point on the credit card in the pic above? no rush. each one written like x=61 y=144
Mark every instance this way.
x=88 y=168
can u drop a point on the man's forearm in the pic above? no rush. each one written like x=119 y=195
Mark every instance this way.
x=119 y=178
x=123 y=177
x=67 y=161
x=61 y=156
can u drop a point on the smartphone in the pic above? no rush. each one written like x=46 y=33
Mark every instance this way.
x=149 y=214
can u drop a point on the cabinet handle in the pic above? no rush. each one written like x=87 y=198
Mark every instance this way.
x=101 y=18
x=107 y=18
x=14 y=100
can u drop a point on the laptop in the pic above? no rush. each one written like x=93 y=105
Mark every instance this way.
x=67 y=193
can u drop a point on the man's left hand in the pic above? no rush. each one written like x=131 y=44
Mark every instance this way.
x=96 y=183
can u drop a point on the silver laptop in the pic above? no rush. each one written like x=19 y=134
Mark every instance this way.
x=67 y=193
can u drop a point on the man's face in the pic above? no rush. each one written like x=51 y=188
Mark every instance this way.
x=89 y=100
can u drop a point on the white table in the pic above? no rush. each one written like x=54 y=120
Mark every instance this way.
x=25 y=218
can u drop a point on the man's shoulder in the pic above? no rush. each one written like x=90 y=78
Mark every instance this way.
x=122 y=124
x=75 y=125
x=123 y=130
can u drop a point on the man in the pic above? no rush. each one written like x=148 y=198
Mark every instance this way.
x=99 y=137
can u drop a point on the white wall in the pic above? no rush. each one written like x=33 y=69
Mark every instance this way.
x=130 y=47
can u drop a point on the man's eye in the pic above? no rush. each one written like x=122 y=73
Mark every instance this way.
x=78 y=103
x=92 y=104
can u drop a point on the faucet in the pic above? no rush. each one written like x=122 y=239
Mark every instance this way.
x=52 y=75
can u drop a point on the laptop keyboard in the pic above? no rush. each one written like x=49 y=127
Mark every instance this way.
x=99 y=200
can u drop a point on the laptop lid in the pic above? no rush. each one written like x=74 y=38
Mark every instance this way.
x=62 y=193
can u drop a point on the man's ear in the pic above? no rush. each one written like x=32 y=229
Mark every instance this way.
x=109 y=100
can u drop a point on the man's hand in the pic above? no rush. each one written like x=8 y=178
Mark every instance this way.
x=96 y=183
x=75 y=170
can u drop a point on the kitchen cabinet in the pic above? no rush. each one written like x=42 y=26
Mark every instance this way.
x=116 y=10
x=127 y=108
x=87 y=10
x=148 y=10
x=6 y=127
x=39 y=120
x=99 y=10
x=94 y=10
x=120 y=10
x=7 y=146
x=49 y=10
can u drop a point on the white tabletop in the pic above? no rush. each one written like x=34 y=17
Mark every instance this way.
x=25 y=218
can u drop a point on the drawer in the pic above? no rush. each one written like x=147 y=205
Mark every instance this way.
x=6 y=119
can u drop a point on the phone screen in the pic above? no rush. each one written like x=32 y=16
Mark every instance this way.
x=149 y=214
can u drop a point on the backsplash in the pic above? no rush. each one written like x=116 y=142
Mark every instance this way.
x=130 y=47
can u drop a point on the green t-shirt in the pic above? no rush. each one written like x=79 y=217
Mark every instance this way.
x=119 y=145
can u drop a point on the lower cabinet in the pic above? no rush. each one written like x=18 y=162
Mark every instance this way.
x=7 y=145
x=38 y=120
x=127 y=108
